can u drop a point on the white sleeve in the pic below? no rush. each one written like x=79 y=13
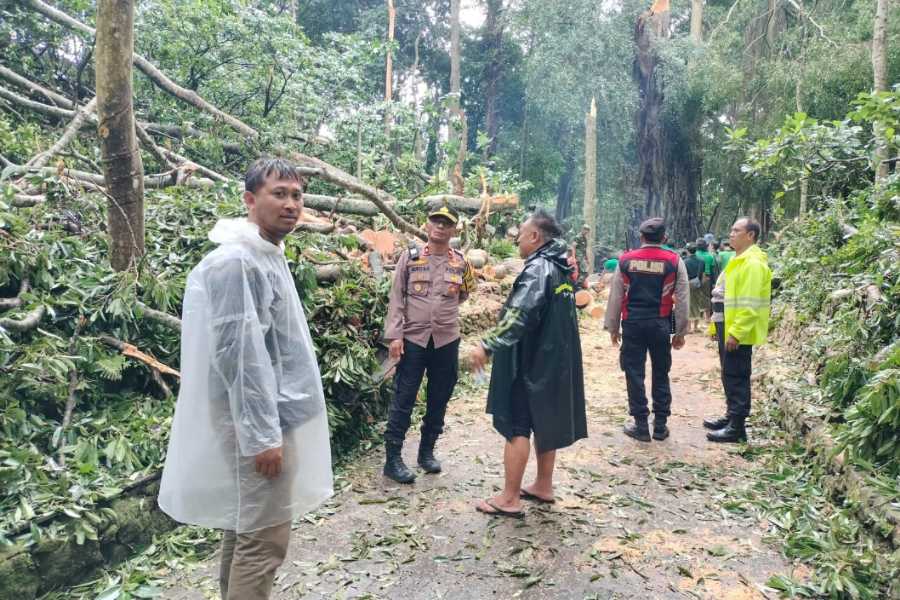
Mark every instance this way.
x=239 y=296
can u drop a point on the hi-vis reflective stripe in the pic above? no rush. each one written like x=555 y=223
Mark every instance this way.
x=563 y=287
x=746 y=302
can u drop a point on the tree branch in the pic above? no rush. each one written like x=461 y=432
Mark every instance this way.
x=150 y=70
x=802 y=12
x=26 y=323
x=81 y=115
x=47 y=109
x=16 y=302
x=381 y=198
x=159 y=316
x=57 y=99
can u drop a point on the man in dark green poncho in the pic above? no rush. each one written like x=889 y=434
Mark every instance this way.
x=537 y=382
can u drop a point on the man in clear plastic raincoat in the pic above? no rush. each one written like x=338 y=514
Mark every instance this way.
x=249 y=449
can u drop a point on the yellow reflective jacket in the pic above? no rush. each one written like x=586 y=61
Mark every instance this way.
x=747 y=297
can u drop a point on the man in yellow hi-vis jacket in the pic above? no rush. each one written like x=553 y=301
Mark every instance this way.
x=747 y=296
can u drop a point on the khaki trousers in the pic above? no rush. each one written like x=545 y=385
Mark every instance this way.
x=249 y=562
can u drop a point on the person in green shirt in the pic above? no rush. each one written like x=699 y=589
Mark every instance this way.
x=610 y=265
x=725 y=255
x=709 y=272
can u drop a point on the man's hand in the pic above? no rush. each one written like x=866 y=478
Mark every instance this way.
x=395 y=350
x=478 y=358
x=731 y=344
x=678 y=342
x=268 y=463
x=614 y=338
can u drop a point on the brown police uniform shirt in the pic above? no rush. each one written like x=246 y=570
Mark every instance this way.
x=425 y=297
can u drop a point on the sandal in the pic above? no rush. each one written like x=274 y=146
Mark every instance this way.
x=526 y=495
x=494 y=510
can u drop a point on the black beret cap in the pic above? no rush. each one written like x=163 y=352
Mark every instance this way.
x=654 y=226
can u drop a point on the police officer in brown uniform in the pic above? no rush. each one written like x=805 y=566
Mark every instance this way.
x=423 y=328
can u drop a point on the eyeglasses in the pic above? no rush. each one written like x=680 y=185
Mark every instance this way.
x=442 y=223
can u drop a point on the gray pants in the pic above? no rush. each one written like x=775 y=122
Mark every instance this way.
x=249 y=562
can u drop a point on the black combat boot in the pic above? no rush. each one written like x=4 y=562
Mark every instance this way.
x=427 y=460
x=716 y=424
x=638 y=430
x=732 y=433
x=394 y=467
x=660 y=431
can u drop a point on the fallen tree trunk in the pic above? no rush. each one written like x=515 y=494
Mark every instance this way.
x=352 y=206
x=142 y=64
x=347 y=181
x=472 y=205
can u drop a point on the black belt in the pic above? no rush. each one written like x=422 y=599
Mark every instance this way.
x=718 y=307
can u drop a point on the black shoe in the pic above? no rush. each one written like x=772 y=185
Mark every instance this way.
x=716 y=424
x=426 y=458
x=660 y=431
x=394 y=467
x=638 y=430
x=733 y=433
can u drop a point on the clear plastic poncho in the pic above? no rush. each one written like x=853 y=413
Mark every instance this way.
x=250 y=382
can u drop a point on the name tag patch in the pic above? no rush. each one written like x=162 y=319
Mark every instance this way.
x=654 y=267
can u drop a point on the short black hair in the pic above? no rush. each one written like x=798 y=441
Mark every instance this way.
x=752 y=225
x=546 y=224
x=655 y=238
x=701 y=244
x=262 y=168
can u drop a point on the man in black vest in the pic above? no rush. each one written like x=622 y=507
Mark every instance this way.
x=648 y=292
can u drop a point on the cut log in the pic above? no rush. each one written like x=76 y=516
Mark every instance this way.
x=477 y=258
x=583 y=298
x=384 y=242
x=329 y=273
x=596 y=311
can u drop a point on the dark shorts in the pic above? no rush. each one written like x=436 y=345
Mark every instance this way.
x=522 y=425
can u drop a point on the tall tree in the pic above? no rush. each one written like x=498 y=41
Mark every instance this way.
x=590 y=178
x=669 y=165
x=389 y=67
x=493 y=41
x=123 y=170
x=697 y=21
x=879 y=69
x=457 y=133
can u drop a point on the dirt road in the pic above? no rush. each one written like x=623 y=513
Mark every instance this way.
x=632 y=520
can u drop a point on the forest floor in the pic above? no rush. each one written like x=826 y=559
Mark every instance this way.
x=631 y=520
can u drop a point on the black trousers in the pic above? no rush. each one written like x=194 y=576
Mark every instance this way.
x=736 y=370
x=639 y=338
x=720 y=342
x=442 y=366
